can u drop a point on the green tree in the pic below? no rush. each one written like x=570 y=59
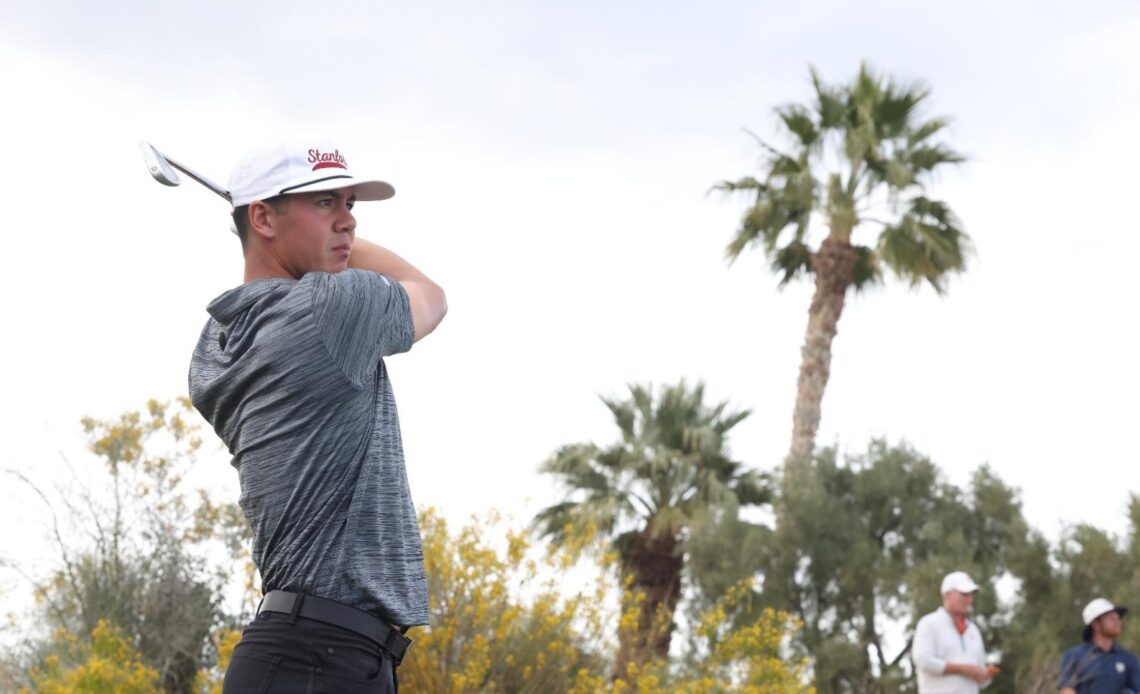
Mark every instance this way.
x=720 y=555
x=863 y=544
x=135 y=552
x=670 y=471
x=1055 y=584
x=861 y=156
x=504 y=620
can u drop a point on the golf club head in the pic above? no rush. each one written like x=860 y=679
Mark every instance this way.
x=163 y=168
x=158 y=166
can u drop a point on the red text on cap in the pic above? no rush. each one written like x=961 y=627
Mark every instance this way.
x=327 y=160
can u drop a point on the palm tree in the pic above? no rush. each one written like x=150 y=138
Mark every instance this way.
x=669 y=471
x=858 y=151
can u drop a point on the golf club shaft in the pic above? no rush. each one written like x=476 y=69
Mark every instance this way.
x=199 y=178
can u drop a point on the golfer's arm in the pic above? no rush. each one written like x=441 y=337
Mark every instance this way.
x=1069 y=676
x=428 y=302
x=958 y=669
x=922 y=651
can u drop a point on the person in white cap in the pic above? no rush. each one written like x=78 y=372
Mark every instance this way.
x=1098 y=665
x=289 y=371
x=948 y=653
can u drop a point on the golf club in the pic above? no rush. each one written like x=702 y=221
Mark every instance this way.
x=162 y=167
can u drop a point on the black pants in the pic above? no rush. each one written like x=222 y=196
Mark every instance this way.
x=308 y=657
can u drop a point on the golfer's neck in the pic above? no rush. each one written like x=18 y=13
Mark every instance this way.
x=263 y=266
x=1102 y=642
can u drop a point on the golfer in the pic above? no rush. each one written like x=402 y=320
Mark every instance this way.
x=1098 y=665
x=289 y=371
x=949 y=657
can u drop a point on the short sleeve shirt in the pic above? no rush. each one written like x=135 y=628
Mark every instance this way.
x=290 y=375
x=1089 y=670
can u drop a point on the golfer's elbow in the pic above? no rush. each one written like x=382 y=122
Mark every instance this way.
x=926 y=661
x=429 y=306
x=935 y=666
x=932 y=666
x=438 y=305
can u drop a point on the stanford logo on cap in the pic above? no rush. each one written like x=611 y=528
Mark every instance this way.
x=327 y=160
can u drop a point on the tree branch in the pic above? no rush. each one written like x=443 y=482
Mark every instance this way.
x=69 y=567
x=898 y=658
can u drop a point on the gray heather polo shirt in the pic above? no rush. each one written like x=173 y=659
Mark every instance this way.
x=289 y=374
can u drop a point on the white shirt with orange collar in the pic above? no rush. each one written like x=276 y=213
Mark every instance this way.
x=936 y=643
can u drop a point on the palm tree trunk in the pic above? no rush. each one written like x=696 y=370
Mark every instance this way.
x=653 y=569
x=834 y=267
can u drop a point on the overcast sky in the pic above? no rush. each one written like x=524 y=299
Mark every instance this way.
x=552 y=163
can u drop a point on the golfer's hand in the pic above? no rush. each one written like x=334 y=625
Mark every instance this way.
x=980 y=675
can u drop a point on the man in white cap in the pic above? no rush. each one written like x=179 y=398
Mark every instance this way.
x=948 y=653
x=1099 y=665
x=289 y=371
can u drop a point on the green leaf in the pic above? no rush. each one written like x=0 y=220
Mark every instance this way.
x=791 y=261
x=926 y=244
x=797 y=119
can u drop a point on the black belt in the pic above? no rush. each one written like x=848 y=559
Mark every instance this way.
x=341 y=615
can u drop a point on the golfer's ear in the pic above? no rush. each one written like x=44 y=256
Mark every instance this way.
x=262 y=217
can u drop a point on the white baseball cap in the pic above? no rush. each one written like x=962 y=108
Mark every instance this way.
x=959 y=581
x=1098 y=608
x=298 y=166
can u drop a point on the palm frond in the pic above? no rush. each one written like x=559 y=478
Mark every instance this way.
x=860 y=141
x=723 y=423
x=577 y=465
x=792 y=261
x=552 y=521
x=830 y=103
x=925 y=158
x=754 y=488
x=772 y=151
x=748 y=184
x=896 y=106
x=568 y=519
x=797 y=119
x=927 y=244
x=925 y=131
x=867 y=271
x=624 y=416
x=897 y=174
x=784 y=204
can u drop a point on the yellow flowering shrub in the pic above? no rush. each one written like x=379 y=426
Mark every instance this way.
x=751 y=659
x=502 y=622
x=210 y=680
x=106 y=662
